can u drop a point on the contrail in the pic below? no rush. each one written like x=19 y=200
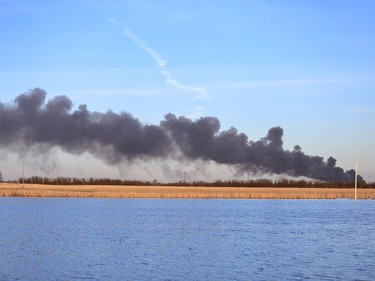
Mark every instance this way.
x=113 y=137
x=202 y=93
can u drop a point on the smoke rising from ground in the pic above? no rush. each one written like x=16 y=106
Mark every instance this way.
x=33 y=122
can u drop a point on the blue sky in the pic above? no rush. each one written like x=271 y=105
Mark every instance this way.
x=307 y=66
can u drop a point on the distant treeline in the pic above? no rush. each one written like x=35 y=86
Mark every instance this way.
x=280 y=183
x=219 y=183
x=81 y=181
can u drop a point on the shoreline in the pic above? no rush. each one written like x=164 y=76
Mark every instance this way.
x=179 y=192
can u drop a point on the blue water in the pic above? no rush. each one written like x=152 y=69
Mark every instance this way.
x=146 y=239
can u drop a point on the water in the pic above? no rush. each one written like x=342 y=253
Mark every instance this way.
x=137 y=239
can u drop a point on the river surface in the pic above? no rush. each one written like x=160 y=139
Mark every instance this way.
x=157 y=239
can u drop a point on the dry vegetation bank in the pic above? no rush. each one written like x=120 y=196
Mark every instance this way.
x=110 y=191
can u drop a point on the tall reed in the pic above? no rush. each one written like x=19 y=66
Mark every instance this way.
x=104 y=191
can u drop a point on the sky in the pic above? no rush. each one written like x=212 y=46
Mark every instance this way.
x=306 y=66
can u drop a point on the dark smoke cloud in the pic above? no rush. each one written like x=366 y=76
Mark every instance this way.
x=32 y=121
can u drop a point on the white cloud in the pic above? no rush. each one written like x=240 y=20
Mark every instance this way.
x=201 y=93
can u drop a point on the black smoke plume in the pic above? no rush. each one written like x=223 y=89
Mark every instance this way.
x=32 y=121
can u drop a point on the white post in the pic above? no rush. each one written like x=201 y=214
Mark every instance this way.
x=356 y=179
x=23 y=172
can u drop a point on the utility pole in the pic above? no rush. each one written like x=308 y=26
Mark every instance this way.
x=356 y=179
x=23 y=172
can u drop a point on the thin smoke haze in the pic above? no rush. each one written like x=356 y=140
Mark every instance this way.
x=111 y=137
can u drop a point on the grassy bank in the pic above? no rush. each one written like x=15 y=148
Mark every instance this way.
x=104 y=191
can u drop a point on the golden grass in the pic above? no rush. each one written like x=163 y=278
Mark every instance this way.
x=103 y=191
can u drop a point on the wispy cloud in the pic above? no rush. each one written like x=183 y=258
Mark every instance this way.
x=12 y=8
x=201 y=93
x=362 y=110
x=140 y=43
x=195 y=112
x=113 y=92
x=292 y=82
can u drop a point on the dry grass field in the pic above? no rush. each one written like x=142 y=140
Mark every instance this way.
x=103 y=191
